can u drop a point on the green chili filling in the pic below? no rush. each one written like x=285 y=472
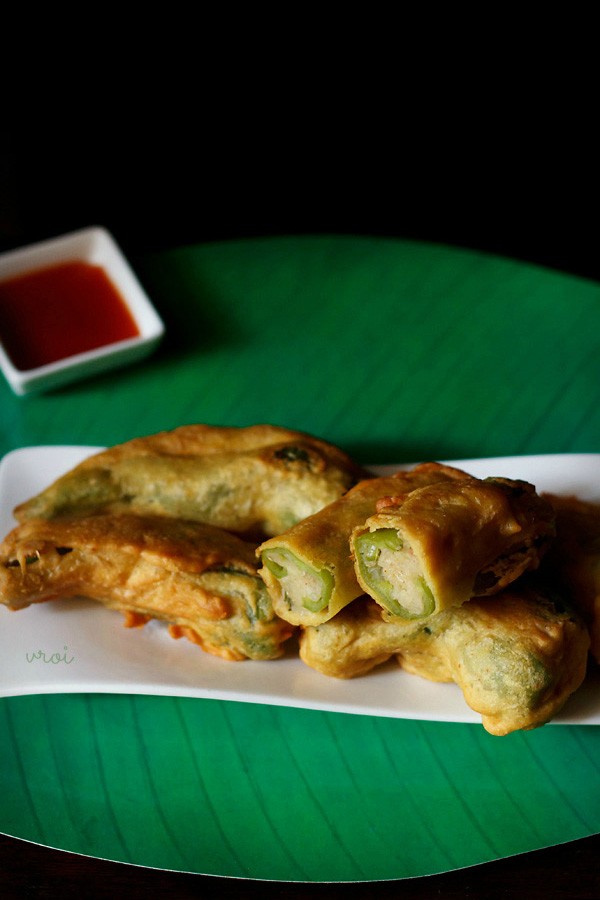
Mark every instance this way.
x=376 y=541
x=303 y=585
x=409 y=586
x=277 y=570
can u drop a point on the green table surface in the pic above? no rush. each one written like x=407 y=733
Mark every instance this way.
x=397 y=351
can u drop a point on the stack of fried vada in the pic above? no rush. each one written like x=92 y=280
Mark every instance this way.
x=447 y=574
x=165 y=527
x=239 y=538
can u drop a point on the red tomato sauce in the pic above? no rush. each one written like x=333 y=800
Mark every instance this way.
x=59 y=311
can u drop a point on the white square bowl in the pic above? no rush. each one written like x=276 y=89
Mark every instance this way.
x=97 y=247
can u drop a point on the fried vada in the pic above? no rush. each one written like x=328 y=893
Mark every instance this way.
x=309 y=570
x=447 y=542
x=517 y=656
x=200 y=580
x=255 y=481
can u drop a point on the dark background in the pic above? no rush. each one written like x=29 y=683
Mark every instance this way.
x=526 y=188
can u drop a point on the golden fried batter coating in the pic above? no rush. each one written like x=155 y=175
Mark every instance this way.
x=574 y=558
x=447 y=542
x=154 y=528
x=308 y=569
x=517 y=656
x=355 y=641
x=255 y=481
x=201 y=580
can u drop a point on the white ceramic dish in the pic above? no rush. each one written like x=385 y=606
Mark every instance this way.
x=97 y=247
x=79 y=646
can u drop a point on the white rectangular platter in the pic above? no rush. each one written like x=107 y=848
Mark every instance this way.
x=78 y=646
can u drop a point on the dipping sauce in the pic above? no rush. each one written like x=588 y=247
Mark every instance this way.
x=56 y=312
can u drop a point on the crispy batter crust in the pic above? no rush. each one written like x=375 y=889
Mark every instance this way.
x=517 y=656
x=186 y=573
x=321 y=541
x=355 y=641
x=468 y=537
x=255 y=481
x=574 y=558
